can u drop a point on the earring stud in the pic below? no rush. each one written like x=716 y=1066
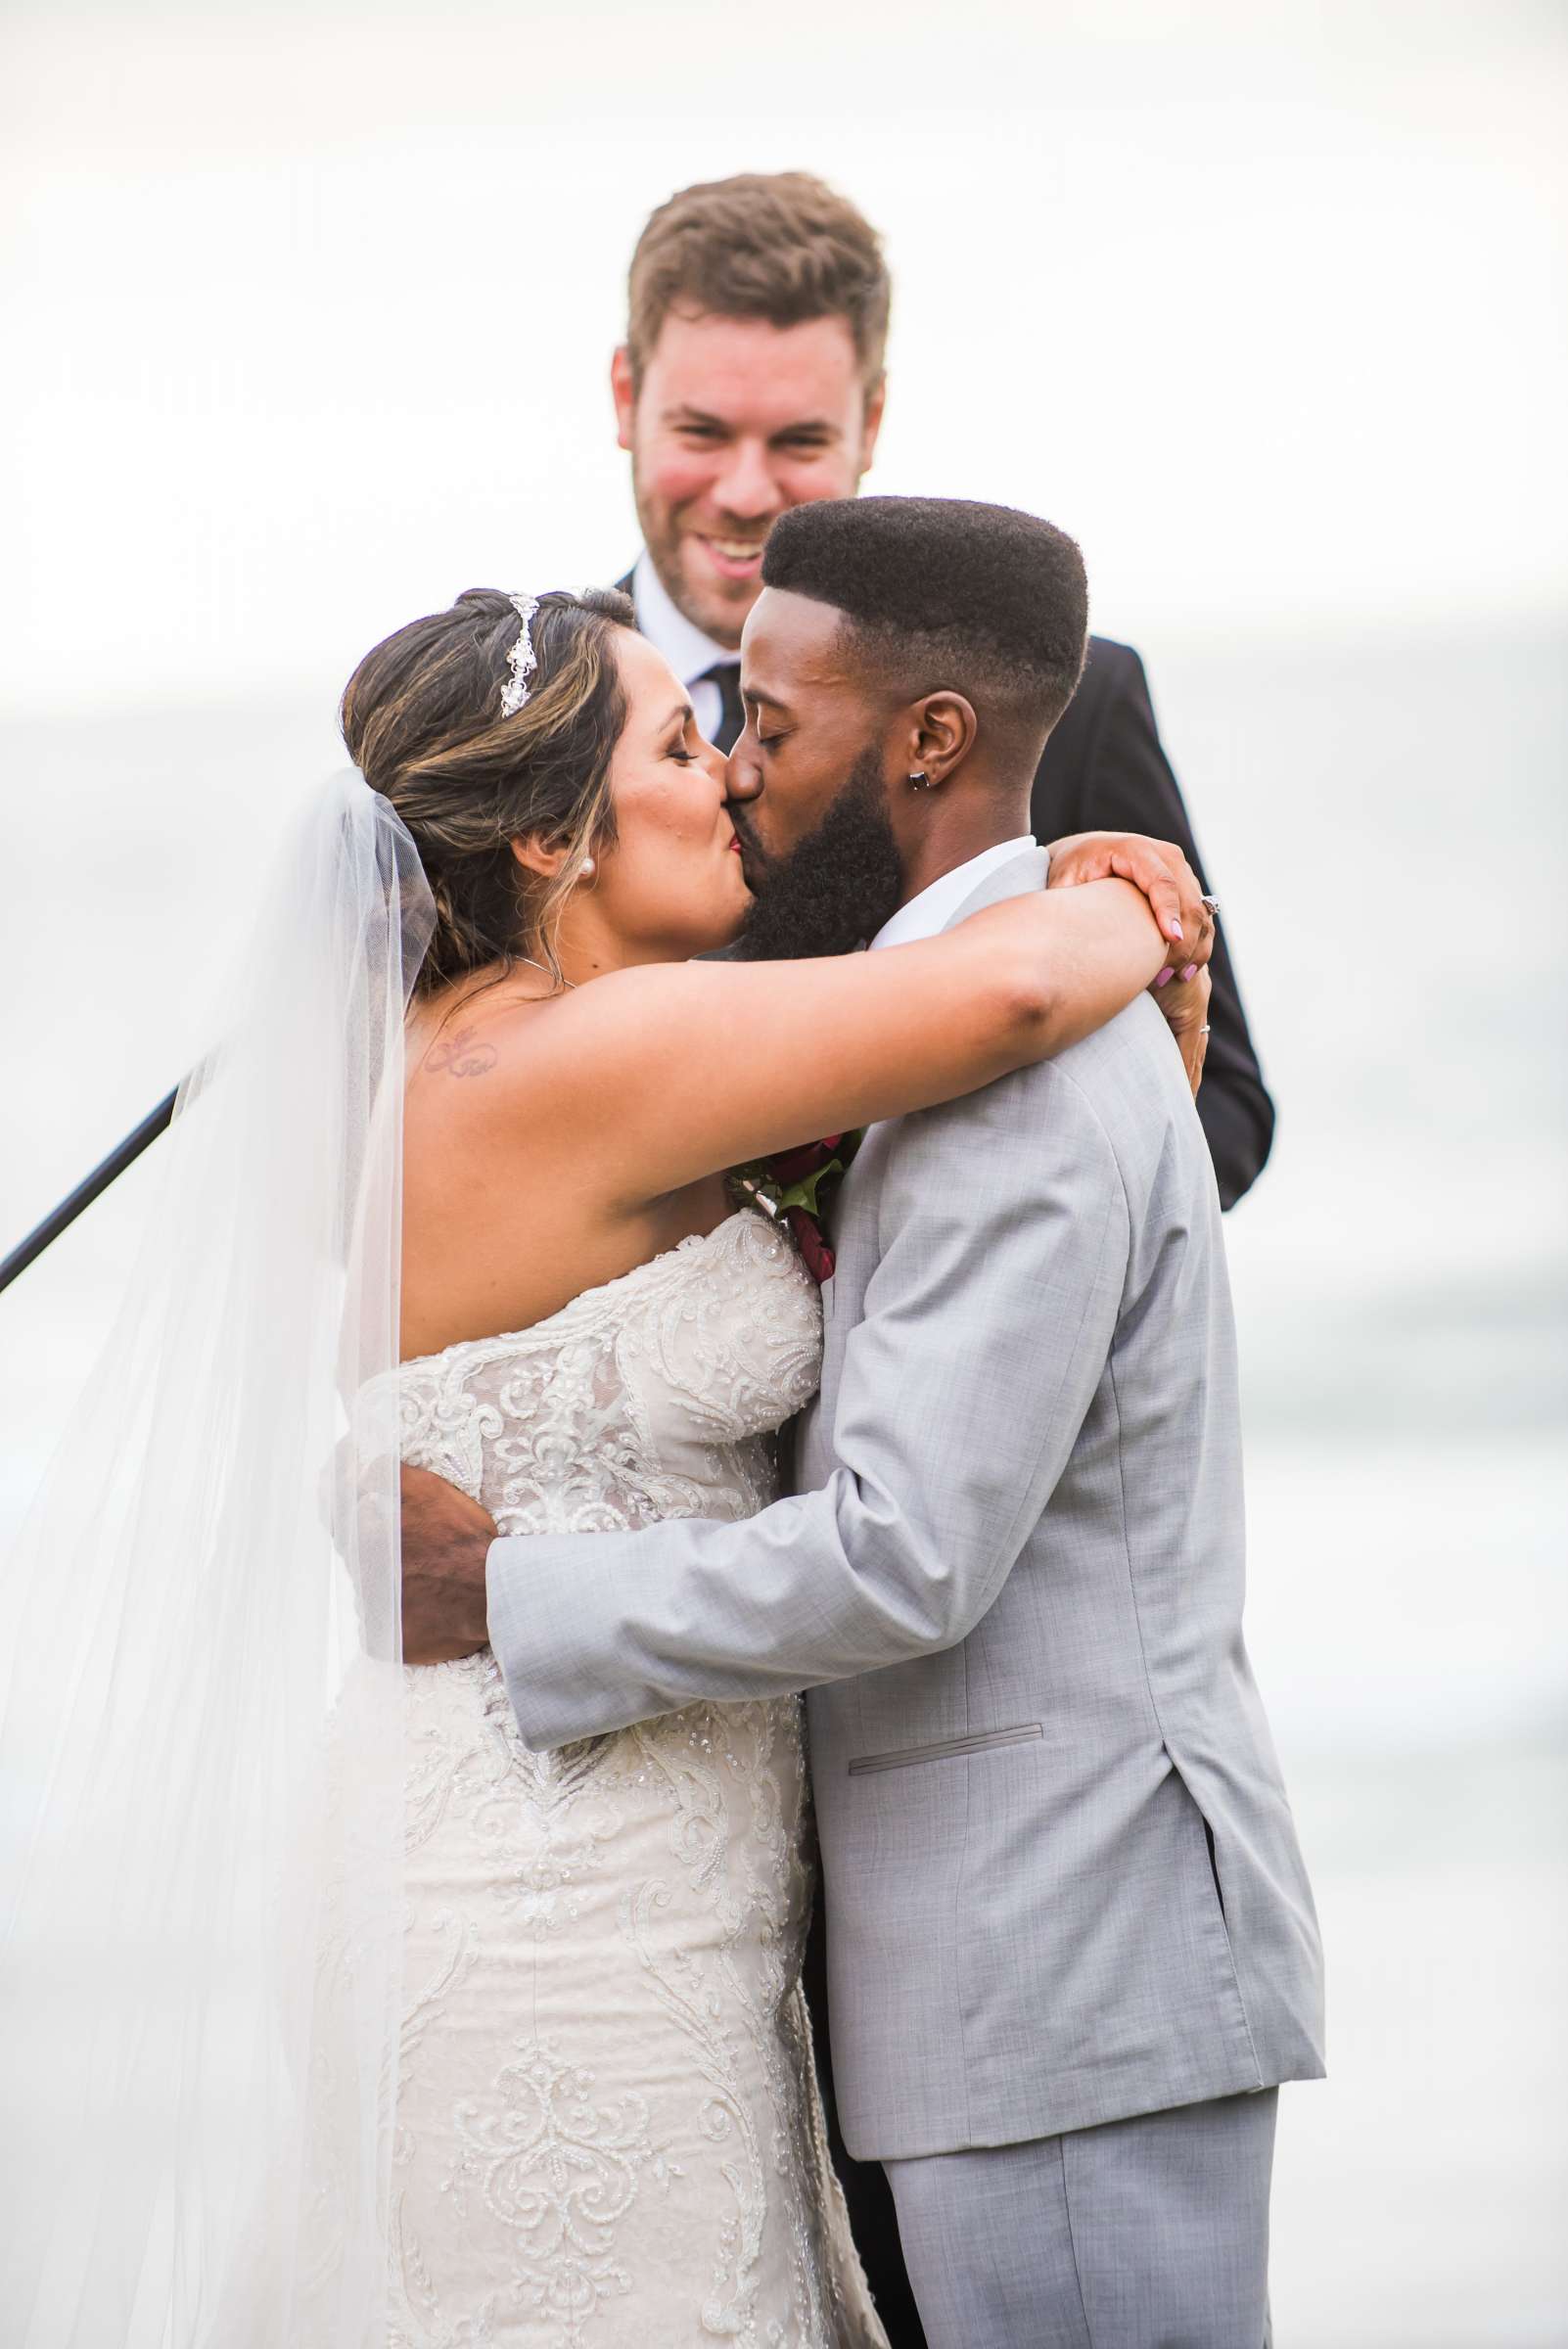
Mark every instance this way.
x=920 y=780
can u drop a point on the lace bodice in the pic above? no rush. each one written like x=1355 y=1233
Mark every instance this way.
x=609 y=2132
x=648 y=1398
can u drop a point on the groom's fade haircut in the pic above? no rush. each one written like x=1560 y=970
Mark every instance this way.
x=945 y=592
x=780 y=246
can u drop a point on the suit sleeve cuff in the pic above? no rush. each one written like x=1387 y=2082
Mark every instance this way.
x=519 y=1635
x=550 y=1602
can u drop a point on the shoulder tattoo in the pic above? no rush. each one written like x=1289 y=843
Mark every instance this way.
x=461 y=1054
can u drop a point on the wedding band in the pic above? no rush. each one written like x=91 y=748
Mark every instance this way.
x=1203 y=1030
x=1213 y=903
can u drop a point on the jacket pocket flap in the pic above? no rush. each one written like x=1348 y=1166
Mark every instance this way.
x=946 y=1748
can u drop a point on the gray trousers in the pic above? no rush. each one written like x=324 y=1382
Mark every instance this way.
x=1147 y=2233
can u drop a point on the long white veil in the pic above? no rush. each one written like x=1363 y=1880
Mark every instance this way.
x=201 y=1777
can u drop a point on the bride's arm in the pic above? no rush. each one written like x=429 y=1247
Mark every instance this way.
x=674 y=1071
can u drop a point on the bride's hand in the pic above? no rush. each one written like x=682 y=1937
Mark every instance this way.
x=1186 y=1004
x=1184 y=915
x=1155 y=867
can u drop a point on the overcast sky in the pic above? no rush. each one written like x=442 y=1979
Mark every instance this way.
x=310 y=309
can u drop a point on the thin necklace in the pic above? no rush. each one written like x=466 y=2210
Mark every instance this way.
x=539 y=967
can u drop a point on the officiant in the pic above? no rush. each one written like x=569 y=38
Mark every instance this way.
x=751 y=379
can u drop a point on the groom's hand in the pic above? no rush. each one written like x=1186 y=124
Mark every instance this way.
x=1157 y=867
x=445 y=1539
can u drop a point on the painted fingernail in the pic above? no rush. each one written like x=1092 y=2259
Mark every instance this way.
x=1191 y=972
x=1165 y=978
x=1176 y=931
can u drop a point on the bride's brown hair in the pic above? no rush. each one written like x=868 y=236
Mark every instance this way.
x=422 y=718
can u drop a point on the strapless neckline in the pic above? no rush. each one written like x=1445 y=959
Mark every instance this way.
x=586 y=1299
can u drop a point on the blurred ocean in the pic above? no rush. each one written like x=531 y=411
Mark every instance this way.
x=1384 y=821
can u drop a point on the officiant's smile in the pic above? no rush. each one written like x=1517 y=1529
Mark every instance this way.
x=730 y=421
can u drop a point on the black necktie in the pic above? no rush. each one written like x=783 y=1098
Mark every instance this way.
x=725 y=674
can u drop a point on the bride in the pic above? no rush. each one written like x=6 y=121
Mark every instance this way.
x=332 y=2016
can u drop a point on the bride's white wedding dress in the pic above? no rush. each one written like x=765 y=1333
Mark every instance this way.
x=600 y=2130
x=608 y=2128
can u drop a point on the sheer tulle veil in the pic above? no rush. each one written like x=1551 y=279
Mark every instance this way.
x=200 y=1780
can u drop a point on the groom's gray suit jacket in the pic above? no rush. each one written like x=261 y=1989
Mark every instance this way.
x=1063 y=1882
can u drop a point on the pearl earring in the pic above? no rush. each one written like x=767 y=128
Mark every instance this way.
x=587 y=868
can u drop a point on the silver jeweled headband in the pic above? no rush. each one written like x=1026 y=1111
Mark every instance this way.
x=522 y=660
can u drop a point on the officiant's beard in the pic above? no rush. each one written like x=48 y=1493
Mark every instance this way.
x=836 y=888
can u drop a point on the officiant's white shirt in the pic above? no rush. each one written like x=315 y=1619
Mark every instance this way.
x=928 y=914
x=687 y=650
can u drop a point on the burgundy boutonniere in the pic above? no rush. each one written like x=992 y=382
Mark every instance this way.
x=795 y=1185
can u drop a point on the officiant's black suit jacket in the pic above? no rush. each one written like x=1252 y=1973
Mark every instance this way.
x=1105 y=770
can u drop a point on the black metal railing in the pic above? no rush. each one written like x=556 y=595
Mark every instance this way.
x=60 y=1219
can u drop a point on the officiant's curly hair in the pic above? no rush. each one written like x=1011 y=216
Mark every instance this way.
x=945 y=592
x=423 y=721
x=781 y=246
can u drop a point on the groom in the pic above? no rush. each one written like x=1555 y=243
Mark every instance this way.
x=1072 y=1944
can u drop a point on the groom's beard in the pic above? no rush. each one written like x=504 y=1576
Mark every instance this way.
x=836 y=888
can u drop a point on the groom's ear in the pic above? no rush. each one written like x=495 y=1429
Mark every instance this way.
x=943 y=732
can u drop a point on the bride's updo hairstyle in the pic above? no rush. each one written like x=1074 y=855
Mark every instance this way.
x=422 y=720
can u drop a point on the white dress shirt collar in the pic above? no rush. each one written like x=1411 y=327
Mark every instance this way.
x=928 y=914
x=687 y=650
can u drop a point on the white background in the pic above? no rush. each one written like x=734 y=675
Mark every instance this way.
x=309 y=314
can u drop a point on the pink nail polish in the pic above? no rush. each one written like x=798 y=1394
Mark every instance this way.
x=1165 y=978
x=1191 y=972
x=1176 y=931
